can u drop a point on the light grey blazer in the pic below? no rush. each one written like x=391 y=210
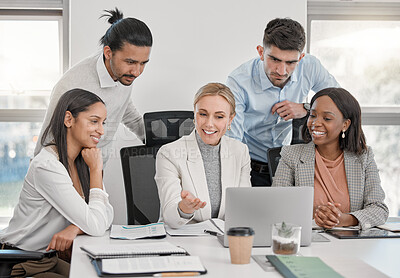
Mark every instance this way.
x=179 y=166
x=296 y=168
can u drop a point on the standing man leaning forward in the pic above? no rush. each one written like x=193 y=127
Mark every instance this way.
x=110 y=74
x=270 y=91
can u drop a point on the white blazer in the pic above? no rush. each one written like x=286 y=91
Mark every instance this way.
x=179 y=166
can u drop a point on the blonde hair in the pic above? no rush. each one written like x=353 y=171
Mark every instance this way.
x=216 y=89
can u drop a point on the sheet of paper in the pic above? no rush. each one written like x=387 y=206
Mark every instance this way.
x=392 y=224
x=219 y=223
x=152 y=264
x=196 y=229
x=349 y=228
x=137 y=231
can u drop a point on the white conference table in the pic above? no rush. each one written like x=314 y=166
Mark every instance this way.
x=349 y=257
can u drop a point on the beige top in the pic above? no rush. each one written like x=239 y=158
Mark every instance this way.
x=330 y=183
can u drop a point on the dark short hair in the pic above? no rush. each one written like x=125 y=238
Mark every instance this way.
x=130 y=30
x=285 y=33
x=74 y=101
x=354 y=140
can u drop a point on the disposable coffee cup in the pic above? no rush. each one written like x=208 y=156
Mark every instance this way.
x=240 y=243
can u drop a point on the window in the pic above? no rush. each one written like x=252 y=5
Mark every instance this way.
x=30 y=61
x=359 y=44
x=16 y=149
x=33 y=56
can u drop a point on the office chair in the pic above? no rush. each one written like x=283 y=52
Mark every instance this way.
x=167 y=126
x=142 y=201
x=297 y=125
x=9 y=258
x=138 y=163
x=274 y=155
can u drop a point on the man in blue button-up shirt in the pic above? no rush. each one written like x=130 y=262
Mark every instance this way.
x=270 y=91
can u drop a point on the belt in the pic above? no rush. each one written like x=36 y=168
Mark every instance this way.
x=259 y=167
x=5 y=246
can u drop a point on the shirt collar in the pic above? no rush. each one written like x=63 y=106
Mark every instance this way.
x=105 y=79
x=266 y=83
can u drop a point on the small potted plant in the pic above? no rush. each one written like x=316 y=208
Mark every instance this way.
x=285 y=238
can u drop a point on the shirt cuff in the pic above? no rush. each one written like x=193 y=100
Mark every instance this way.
x=185 y=215
x=97 y=194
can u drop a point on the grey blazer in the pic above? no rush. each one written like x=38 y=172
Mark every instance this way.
x=296 y=168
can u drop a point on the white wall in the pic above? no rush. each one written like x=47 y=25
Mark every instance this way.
x=195 y=42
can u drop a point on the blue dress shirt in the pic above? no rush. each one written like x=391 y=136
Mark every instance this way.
x=255 y=95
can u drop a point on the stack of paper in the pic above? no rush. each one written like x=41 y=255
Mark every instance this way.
x=154 y=230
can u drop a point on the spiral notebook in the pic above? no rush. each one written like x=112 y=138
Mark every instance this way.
x=109 y=251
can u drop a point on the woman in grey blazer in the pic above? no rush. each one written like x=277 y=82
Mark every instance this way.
x=193 y=172
x=337 y=163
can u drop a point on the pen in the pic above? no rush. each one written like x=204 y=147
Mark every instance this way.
x=211 y=232
x=176 y=274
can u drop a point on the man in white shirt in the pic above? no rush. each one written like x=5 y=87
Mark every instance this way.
x=110 y=74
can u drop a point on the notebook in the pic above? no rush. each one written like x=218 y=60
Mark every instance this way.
x=297 y=266
x=104 y=251
x=261 y=207
x=161 y=266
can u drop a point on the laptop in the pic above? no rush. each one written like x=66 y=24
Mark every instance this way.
x=261 y=207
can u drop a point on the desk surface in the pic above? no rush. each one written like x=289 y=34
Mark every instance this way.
x=342 y=255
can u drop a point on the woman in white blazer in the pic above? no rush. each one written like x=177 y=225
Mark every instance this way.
x=193 y=172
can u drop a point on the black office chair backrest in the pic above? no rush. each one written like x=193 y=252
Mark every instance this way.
x=142 y=201
x=274 y=155
x=297 y=125
x=167 y=126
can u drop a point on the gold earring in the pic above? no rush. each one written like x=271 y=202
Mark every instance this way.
x=229 y=127
x=343 y=135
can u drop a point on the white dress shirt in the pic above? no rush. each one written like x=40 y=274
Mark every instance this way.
x=48 y=203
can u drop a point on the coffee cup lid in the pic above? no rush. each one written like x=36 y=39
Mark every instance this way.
x=240 y=231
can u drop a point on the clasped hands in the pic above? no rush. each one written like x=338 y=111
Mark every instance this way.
x=189 y=203
x=329 y=216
